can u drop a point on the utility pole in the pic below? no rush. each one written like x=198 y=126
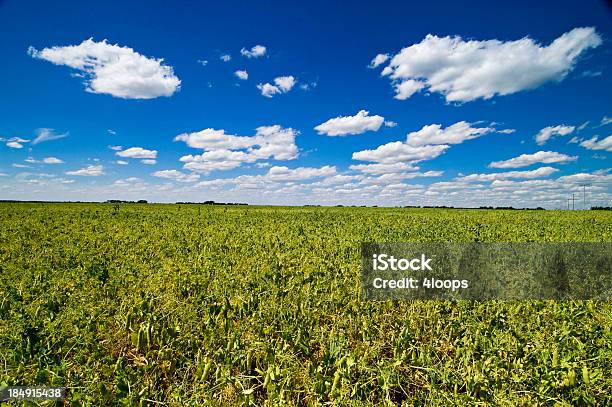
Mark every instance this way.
x=584 y=206
x=568 y=201
x=573 y=201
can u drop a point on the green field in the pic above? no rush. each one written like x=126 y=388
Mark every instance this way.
x=234 y=305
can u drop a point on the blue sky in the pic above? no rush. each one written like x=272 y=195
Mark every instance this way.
x=486 y=104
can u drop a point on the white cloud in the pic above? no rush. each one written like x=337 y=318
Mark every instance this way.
x=344 y=125
x=454 y=134
x=383 y=168
x=176 y=175
x=268 y=90
x=525 y=160
x=378 y=59
x=225 y=151
x=551 y=131
x=285 y=83
x=596 y=144
x=463 y=71
x=308 y=86
x=46 y=160
x=425 y=144
x=44 y=134
x=398 y=151
x=202 y=62
x=149 y=161
x=537 y=173
x=137 y=152
x=121 y=162
x=15 y=142
x=389 y=123
x=407 y=88
x=211 y=139
x=282 y=84
x=114 y=70
x=3 y=174
x=225 y=57
x=300 y=173
x=52 y=160
x=115 y=148
x=394 y=178
x=255 y=52
x=89 y=171
x=605 y=121
x=595 y=177
x=111 y=132
x=242 y=75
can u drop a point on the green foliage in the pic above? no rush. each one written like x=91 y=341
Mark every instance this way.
x=191 y=305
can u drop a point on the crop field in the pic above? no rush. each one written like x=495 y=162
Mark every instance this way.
x=238 y=305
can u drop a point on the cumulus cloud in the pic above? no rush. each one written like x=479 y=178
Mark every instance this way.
x=89 y=171
x=225 y=57
x=52 y=160
x=595 y=177
x=552 y=131
x=45 y=134
x=282 y=84
x=525 y=160
x=242 y=75
x=407 y=88
x=276 y=175
x=596 y=144
x=115 y=148
x=176 y=175
x=46 y=160
x=398 y=151
x=454 y=134
x=463 y=70
x=149 y=161
x=378 y=59
x=113 y=69
x=225 y=151
x=425 y=144
x=299 y=174
x=121 y=162
x=137 y=152
x=389 y=123
x=14 y=142
x=395 y=178
x=537 y=173
x=255 y=52
x=344 y=125
x=383 y=168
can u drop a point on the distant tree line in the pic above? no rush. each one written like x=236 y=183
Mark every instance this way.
x=118 y=201
x=210 y=203
x=601 y=208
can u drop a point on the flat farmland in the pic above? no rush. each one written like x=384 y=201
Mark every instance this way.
x=242 y=305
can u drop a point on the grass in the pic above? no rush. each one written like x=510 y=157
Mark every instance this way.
x=218 y=305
